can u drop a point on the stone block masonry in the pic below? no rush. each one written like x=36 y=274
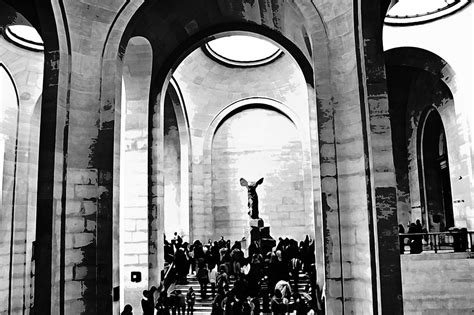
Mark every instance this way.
x=437 y=283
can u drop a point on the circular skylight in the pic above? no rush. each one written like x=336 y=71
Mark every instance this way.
x=242 y=50
x=406 y=12
x=24 y=36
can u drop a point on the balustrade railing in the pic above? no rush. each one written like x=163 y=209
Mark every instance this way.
x=449 y=241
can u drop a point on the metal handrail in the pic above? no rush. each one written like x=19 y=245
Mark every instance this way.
x=168 y=277
x=459 y=241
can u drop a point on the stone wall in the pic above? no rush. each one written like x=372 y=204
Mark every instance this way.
x=437 y=284
x=252 y=144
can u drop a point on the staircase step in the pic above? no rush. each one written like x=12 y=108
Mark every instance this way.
x=204 y=306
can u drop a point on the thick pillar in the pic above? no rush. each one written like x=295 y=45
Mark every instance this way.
x=74 y=229
x=155 y=191
x=381 y=178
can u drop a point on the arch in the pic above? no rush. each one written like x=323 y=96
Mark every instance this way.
x=8 y=216
x=262 y=103
x=172 y=42
x=203 y=19
x=174 y=34
x=250 y=102
x=26 y=70
x=429 y=72
x=50 y=272
x=131 y=135
x=176 y=97
x=422 y=59
x=10 y=76
x=422 y=17
x=432 y=159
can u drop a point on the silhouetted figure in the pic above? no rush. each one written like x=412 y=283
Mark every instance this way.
x=173 y=302
x=190 y=300
x=401 y=238
x=203 y=278
x=162 y=305
x=147 y=303
x=180 y=302
x=416 y=245
x=217 y=308
x=222 y=279
x=127 y=310
x=181 y=263
x=213 y=279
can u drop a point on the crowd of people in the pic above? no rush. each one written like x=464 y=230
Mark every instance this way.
x=263 y=282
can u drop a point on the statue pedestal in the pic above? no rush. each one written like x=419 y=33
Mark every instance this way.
x=256 y=223
x=261 y=234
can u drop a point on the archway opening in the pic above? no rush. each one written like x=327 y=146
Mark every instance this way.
x=21 y=88
x=170 y=53
x=417 y=85
x=251 y=144
x=438 y=205
x=247 y=121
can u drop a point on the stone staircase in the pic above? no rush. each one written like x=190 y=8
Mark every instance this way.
x=204 y=306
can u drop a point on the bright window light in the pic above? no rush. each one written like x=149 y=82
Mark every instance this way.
x=24 y=36
x=243 y=50
x=418 y=11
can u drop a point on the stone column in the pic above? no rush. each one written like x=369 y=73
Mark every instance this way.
x=155 y=192
x=378 y=150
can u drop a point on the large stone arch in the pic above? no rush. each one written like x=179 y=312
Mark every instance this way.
x=422 y=59
x=229 y=111
x=170 y=51
x=130 y=230
x=25 y=72
x=175 y=94
x=426 y=66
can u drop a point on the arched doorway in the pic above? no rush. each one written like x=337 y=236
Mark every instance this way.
x=435 y=183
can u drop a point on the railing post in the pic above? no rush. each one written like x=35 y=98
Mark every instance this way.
x=435 y=245
x=470 y=241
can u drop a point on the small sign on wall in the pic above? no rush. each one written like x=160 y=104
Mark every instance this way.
x=136 y=276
